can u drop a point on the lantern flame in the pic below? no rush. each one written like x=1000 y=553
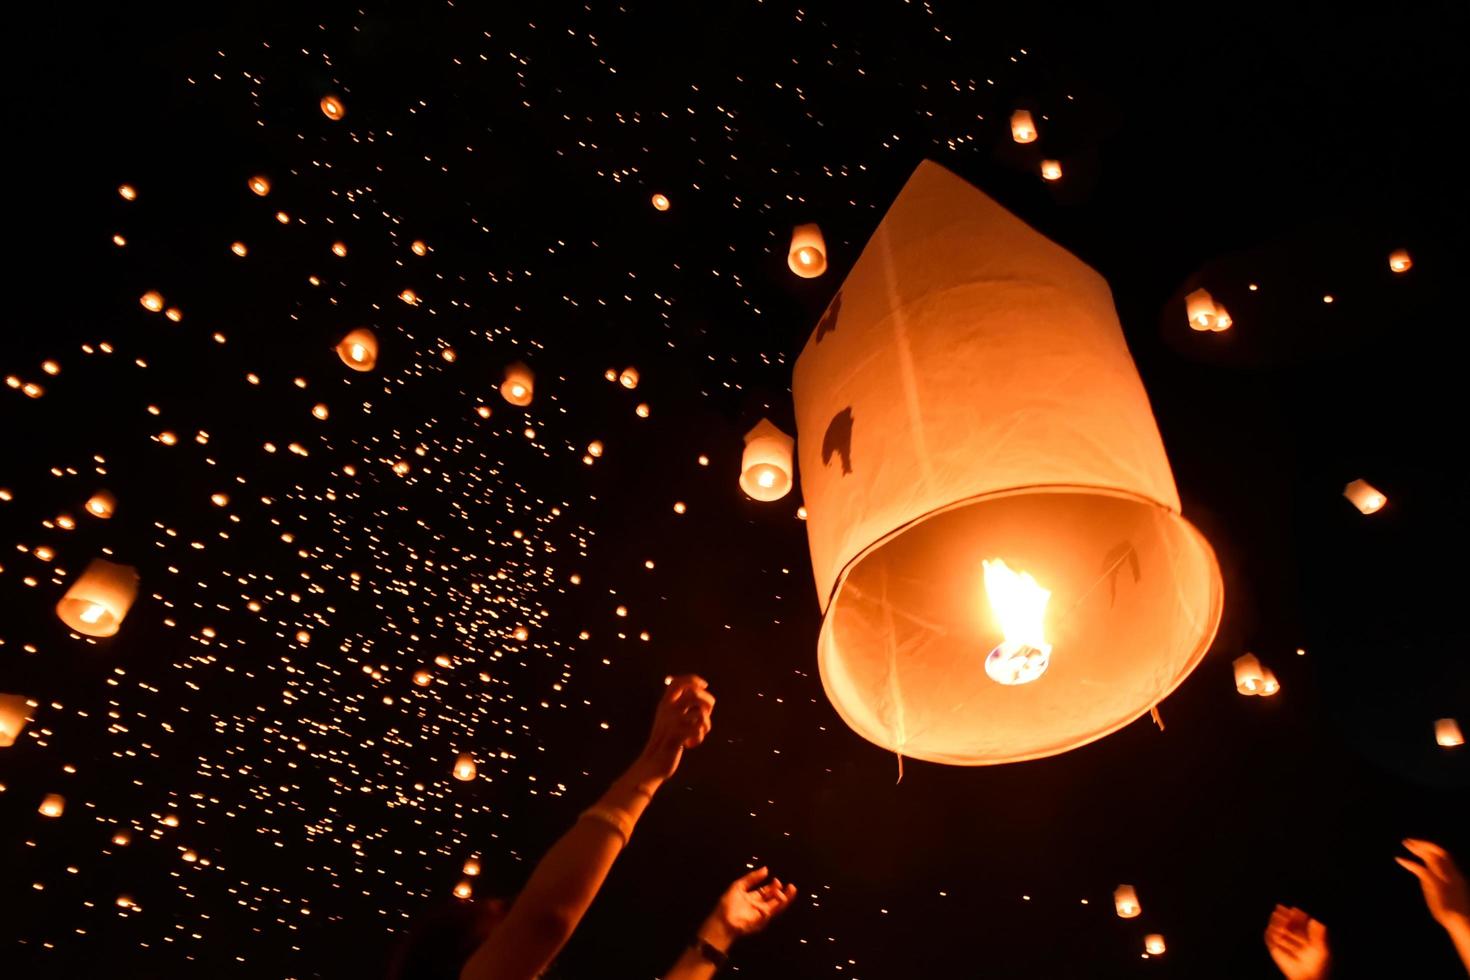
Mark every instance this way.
x=92 y=613
x=1020 y=606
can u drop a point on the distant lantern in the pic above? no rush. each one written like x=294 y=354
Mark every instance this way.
x=641 y=410
x=1250 y=678
x=472 y=866
x=483 y=411
x=52 y=805
x=359 y=349
x=464 y=767
x=807 y=256
x=1399 y=261
x=127 y=192
x=660 y=203
x=1023 y=129
x=463 y=890
x=1364 y=496
x=937 y=434
x=422 y=678
x=260 y=185
x=152 y=301
x=14 y=713
x=1051 y=170
x=410 y=297
x=519 y=386
x=99 y=599
x=320 y=411
x=339 y=249
x=1447 y=733
x=122 y=838
x=594 y=448
x=102 y=504
x=419 y=248
x=449 y=355
x=239 y=249
x=1204 y=313
x=629 y=378
x=332 y=107
x=1153 y=944
x=1269 y=684
x=1125 y=902
x=766 y=466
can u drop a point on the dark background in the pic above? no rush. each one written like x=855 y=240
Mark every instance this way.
x=1288 y=146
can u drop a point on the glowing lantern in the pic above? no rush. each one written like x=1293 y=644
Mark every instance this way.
x=14 y=713
x=471 y=867
x=102 y=504
x=483 y=411
x=1269 y=684
x=152 y=301
x=332 y=107
x=52 y=805
x=422 y=678
x=320 y=411
x=594 y=448
x=641 y=410
x=1249 y=677
x=629 y=378
x=127 y=192
x=419 y=248
x=1153 y=944
x=410 y=297
x=765 y=466
x=1051 y=170
x=1023 y=130
x=122 y=838
x=463 y=890
x=359 y=349
x=660 y=203
x=1364 y=496
x=260 y=185
x=519 y=386
x=1447 y=733
x=239 y=249
x=1204 y=313
x=464 y=767
x=1399 y=261
x=1125 y=902
x=807 y=256
x=967 y=403
x=339 y=249
x=99 y=599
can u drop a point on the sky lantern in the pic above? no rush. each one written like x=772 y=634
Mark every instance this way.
x=463 y=890
x=1399 y=260
x=418 y=248
x=422 y=678
x=127 y=193
x=99 y=599
x=660 y=202
x=765 y=466
x=1364 y=496
x=1206 y=314
x=102 y=504
x=807 y=256
x=1125 y=902
x=519 y=386
x=471 y=866
x=359 y=349
x=14 y=713
x=152 y=301
x=1153 y=944
x=1250 y=678
x=629 y=377
x=994 y=528
x=339 y=249
x=464 y=767
x=52 y=805
x=1023 y=129
x=1051 y=170
x=261 y=186
x=1446 y=733
x=332 y=107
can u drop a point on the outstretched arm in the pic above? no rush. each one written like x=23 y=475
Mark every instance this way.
x=1297 y=944
x=548 y=909
x=747 y=906
x=1445 y=892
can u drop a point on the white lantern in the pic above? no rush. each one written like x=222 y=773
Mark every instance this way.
x=1153 y=944
x=1125 y=902
x=765 y=466
x=1051 y=170
x=807 y=256
x=1364 y=496
x=1023 y=130
x=99 y=599
x=966 y=402
x=1250 y=679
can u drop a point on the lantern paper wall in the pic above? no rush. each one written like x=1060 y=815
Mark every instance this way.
x=519 y=386
x=1153 y=944
x=1249 y=677
x=968 y=397
x=1446 y=733
x=102 y=504
x=472 y=866
x=464 y=767
x=53 y=805
x=1364 y=496
x=1125 y=902
x=14 y=713
x=1399 y=260
x=807 y=256
x=765 y=466
x=332 y=107
x=359 y=349
x=1051 y=170
x=629 y=378
x=1206 y=314
x=1023 y=130
x=99 y=599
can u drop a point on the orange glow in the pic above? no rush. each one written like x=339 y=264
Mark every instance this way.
x=594 y=448
x=1018 y=604
x=471 y=867
x=1364 y=496
x=629 y=378
x=641 y=410
x=332 y=107
x=1023 y=129
x=449 y=355
x=519 y=386
x=463 y=890
x=1447 y=733
x=1153 y=944
x=807 y=254
x=260 y=185
x=483 y=411
x=1399 y=260
x=152 y=301
x=320 y=411
x=97 y=601
x=239 y=249
x=359 y=349
x=766 y=467
x=14 y=713
x=127 y=192
x=53 y=805
x=464 y=767
x=422 y=678
x=1051 y=170
x=1206 y=314
x=419 y=248
x=660 y=203
x=1125 y=902
x=1249 y=677
x=339 y=249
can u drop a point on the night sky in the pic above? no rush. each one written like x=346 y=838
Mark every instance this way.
x=255 y=730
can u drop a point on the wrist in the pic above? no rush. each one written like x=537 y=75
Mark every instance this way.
x=643 y=776
x=1457 y=924
x=717 y=933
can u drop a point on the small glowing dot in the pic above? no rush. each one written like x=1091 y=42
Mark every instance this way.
x=1327 y=298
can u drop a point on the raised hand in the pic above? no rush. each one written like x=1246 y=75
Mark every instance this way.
x=1297 y=944
x=681 y=722
x=751 y=902
x=1444 y=886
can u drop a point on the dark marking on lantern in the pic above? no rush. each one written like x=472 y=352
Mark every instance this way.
x=1114 y=560
x=839 y=440
x=828 y=323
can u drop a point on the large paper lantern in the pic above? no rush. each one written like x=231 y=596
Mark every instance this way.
x=1446 y=733
x=464 y=767
x=519 y=386
x=359 y=349
x=52 y=805
x=1125 y=902
x=14 y=713
x=1365 y=496
x=765 y=466
x=99 y=599
x=994 y=528
x=1153 y=944
x=807 y=256
x=1023 y=129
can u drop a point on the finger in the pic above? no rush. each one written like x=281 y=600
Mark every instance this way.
x=1417 y=870
x=1419 y=846
x=1316 y=931
x=751 y=879
x=1435 y=858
